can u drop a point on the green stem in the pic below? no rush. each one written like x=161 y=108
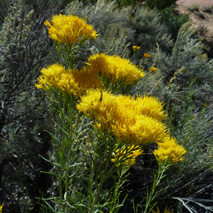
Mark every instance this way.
x=100 y=171
x=58 y=150
x=90 y=188
x=157 y=178
x=67 y=140
x=115 y=197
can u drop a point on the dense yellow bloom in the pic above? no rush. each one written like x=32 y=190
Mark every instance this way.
x=127 y=153
x=146 y=55
x=136 y=48
x=153 y=69
x=51 y=76
x=169 y=150
x=150 y=106
x=138 y=129
x=67 y=29
x=70 y=81
x=121 y=115
x=115 y=68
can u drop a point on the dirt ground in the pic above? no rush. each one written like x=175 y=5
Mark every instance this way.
x=200 y=3
x=200 y=18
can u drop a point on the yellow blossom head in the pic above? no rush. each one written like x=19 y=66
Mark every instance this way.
x=146 y=55
x=129 y=154
x=115 y=68
x=153 y=69
x=169 y=150
x=67 y=29
x=136 y=48
x=73 y=82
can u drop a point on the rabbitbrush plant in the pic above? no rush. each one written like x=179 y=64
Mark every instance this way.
x=98 y=131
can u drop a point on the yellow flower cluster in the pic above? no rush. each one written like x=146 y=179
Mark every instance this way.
x=78 y=81
x=146 y=55
x=69 y=29
x=130 y=153
x=136 y=48
x=130 y=120
x=70 y=81
x=115 y=68
x=169 y=150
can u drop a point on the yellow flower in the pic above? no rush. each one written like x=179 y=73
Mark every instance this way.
x=121 y=115
x=67 y=29
x=157 y=211
x=166 y=210
x=51 y=76
x=136 y=48
x=42 y=84
x=127 y=153
x=153 y=69
x=70 y=81
x=150 y=106
x=169 y=150
x=146 y=55
x=1 y=207
x=115 y=68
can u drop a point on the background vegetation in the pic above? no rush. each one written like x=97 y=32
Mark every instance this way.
x=183 y=81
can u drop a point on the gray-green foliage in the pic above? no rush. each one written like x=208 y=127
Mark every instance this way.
x=21 y=56
x=192 y=178
x=191 y=132
x=172 y=19
x=147 y=30
x=4 y=4
x=24 y=48
x=188 y=66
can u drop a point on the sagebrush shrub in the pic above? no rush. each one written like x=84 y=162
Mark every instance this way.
x=24 y=46
x=173 y=19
